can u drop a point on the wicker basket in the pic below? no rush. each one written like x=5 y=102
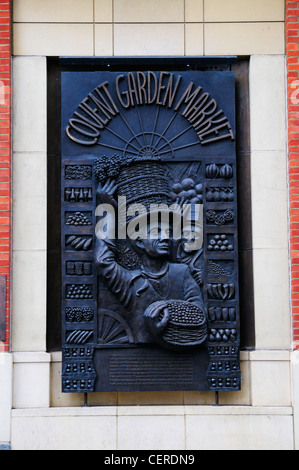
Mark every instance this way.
x=186 y=327
x=144 y=183
x=187 y=324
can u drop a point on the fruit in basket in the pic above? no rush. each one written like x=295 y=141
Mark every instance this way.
x=187 y=191
x=178 y=324
x=177 y=188
x=188 y=183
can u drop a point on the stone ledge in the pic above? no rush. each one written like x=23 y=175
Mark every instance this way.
x=31 y=357
x=269 y=355
x=152 y=411
x=153 y=428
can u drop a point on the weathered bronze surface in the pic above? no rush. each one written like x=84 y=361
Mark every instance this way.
x=149 y=313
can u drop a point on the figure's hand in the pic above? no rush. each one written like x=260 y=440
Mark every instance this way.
x=154 y=311
x=105 y=193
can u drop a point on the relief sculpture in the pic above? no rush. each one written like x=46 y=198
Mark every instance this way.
x=162 y=299
x=149 y=247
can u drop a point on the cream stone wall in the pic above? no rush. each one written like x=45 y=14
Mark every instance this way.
x=29 y=131
x=43 y=417
x=6 y=373
x=152 y=28
x=167 y=428
x=269 y=201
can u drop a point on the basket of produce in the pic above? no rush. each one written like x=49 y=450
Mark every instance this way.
x=184 y=325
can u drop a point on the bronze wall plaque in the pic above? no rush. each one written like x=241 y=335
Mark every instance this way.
x=146 y=306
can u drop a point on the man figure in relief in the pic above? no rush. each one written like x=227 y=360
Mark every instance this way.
x=145 y=292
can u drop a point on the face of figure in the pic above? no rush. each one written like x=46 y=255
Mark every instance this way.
x=156 y=243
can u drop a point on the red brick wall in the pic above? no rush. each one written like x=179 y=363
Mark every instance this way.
x=292 y=33
x=5 y=155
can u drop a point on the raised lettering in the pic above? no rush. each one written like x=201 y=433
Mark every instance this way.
x=96 y=133
x=204 y=112
x=104 y=86
x=123 y=93
x=216 y=131
x=161 y=87
x=102 y=105
x=92 y=112
x=202 y=127
x=85 y=119
x=141 y=87
x=188 y=96
x=152 y=94
x=196 y=108
x=169 y=94
x=132 y=89
x=98 y=108
x=80 y=131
